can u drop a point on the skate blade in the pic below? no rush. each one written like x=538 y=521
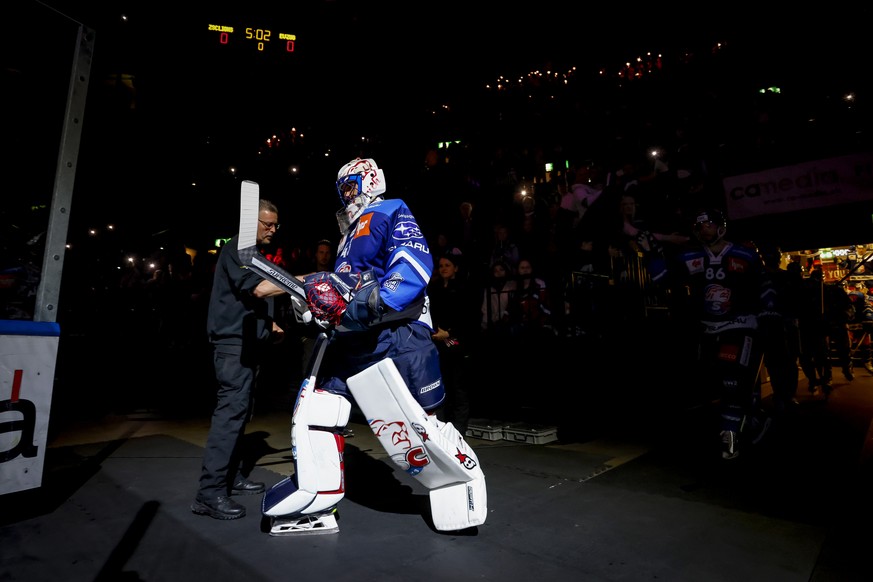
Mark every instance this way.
x=305 y=526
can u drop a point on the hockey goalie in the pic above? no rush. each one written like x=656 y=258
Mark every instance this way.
x=376 y=351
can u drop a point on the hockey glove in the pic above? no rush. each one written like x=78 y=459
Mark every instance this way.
x=347 y=299
x=328 y=295
x=365 y=307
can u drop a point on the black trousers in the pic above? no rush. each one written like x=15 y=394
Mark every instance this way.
x=232 y=411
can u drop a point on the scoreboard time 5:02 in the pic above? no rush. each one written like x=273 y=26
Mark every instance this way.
x=262 y=39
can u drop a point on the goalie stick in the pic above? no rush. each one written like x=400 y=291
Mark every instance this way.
x=248 y=251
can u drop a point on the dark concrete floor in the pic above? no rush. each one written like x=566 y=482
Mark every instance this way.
x=631 y=491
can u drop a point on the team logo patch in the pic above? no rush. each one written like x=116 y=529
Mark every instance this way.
x=407 y=230
x=717 y=299
x=393 y=282
x=694 y=265
x=395 y=438
x=422 y=432
x=466 y=460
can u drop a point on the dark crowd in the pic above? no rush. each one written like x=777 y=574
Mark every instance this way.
x=554 y=291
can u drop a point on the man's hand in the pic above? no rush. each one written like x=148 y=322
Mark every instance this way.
x=440 y=334
x=278 y=334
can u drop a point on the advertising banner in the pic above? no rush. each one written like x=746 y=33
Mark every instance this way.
x=28 y=354
x=815 y=184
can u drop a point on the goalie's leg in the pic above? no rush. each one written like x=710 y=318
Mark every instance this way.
x=431 y=451
x=305 y=502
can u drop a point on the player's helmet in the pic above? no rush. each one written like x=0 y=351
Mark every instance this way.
x=709 y=217
x=358 y=183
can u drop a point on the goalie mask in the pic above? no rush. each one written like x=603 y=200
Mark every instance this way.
x=358 y=183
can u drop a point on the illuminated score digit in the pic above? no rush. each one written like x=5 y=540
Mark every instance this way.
x=289 y=41
x=224 y=32
x=259 y=34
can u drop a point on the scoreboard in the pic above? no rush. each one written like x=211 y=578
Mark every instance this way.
x=262 y=40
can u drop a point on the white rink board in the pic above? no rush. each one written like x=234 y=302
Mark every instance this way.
x=27 y=371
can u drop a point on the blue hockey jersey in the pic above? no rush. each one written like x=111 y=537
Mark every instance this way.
x=720 y=287
x=386 y=238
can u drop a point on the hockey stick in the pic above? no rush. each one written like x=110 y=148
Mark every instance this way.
x=248 y=251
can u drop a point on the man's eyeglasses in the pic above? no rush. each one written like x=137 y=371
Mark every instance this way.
x=269 y=225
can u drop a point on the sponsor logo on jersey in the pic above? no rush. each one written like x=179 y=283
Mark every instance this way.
x=407 y=230
x=429 y=387
x=393 y=282
x=728 y=353
x=417 y=246
x=363 y=228
x=694 y=265
x=737 y=265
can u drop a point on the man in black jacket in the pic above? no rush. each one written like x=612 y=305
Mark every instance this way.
x=240 y=324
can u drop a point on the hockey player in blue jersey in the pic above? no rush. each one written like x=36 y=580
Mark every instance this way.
x=379 y=355
x=726 y=292
x=382 y=237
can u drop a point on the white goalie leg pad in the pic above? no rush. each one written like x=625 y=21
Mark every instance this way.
x=317 y=446
x=433 y=452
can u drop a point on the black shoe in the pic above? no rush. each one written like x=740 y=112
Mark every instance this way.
x=243 y=486
x=848 y=372
x=219 y=508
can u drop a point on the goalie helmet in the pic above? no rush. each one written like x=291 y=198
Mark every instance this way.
x=704 y=220
x=358 y=183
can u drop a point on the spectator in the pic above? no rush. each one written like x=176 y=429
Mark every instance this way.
x=323 y=256
x=497 y=299
x=814 y=343
x=443 y=246
x=504 y=249
x=862 y=324
x=455 y=314
x=583 y=193
x=467 y=233
x=533 y=235
x=838 y=312
x=630 y=239
x=530 y=310
x=780 y=334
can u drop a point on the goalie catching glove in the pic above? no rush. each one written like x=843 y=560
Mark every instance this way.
x=350 y=300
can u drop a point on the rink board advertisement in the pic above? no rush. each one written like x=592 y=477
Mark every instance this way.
x=816 y=184
x=28 y=353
